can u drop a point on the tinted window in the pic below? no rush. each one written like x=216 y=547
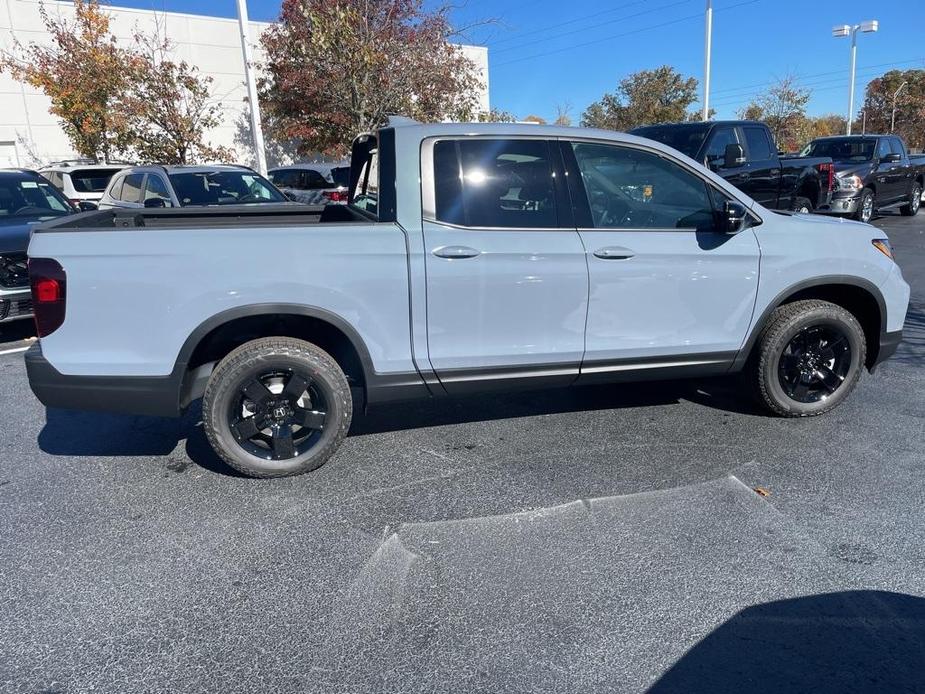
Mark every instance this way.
x=883 y=147
x=686 y=138
x=759 y=147
x=29 y=197
x=91 y=180
x=341 y=176
x=131 y=188
x=632 y=189
x=223 y=188
x=156 y=188
x=494 y=183
x=716 y=150
x=897 y=146
x=312 y=180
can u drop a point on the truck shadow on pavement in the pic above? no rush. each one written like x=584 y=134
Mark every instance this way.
x=852 y=641
x=74 y=433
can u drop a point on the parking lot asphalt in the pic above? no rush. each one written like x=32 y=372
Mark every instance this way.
x=599 y=539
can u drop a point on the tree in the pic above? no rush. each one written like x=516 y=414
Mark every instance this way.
x=648 y=96
x=83 y=72
x=910 y=105
x=169 y=109
x=783 y=108
x=535 y=119
x=496 y=115
x=563 y=114
x=338 y=67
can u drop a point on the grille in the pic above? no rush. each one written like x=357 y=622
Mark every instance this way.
x=13 y=271
x=15 y=309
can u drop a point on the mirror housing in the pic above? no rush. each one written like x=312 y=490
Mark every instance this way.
x=733 y=217
x=87 y=206
x=155 y=202
x=734 y=156
x=891 y=158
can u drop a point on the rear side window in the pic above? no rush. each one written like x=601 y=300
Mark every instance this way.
x=131 y=188
x=759 y=147
x=500 y=184
x=285 y=179
x=54 y=178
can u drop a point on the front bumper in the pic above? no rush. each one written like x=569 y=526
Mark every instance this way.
x=15 y=304
x=840 y=205
x=145 y=395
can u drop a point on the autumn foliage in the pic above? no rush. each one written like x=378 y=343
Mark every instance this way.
x=335 y=68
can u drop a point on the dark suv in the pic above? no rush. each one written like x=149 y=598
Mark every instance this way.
x=872 y=172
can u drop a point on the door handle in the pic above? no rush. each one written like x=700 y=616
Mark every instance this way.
x=613 y=253
x=456 y=252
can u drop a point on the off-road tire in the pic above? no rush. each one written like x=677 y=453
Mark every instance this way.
x=784 y=324
x=267 y=354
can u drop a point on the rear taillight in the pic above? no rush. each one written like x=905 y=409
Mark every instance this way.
x=828 y=173
x=49 y=294
x=335 y=195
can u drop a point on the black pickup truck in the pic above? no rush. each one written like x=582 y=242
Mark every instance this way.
x=743 y=152
x=872 y=172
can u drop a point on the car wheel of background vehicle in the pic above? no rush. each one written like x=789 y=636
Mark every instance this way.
x=809 y=359
x=276 y=406
x=865 y=211
x=915 y=201
x=802 y=205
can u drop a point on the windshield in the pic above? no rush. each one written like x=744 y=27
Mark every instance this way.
x=27 y=197
x=341 y=176
x=91 y=180
x=845 y=149
x=223 y=188
x=687 y=139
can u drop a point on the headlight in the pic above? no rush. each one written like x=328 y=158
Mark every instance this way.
x=851 y=182
x=883 y=245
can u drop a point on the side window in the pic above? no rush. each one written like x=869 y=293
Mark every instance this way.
x=897 y=146
x=155 y=188
x=494 y=183
x=314 y=180
x=759 y=147
x=286 y=179
x=131 y=188
x=716 y=150
x=116 y=191
x=633 y=189
x=55 y=179
x=365 y=196
x=883 y=147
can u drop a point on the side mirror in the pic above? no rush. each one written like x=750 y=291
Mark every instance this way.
x=733 y=217
x=891 y=158
x=734 y=156
x=87 y=206
x=155 y=202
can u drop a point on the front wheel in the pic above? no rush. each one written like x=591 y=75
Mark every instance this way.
x=802 y=205
x=915 y=200
x=276 y=407
x=865 y=211
x=809 y=359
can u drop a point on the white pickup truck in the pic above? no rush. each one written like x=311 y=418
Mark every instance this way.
x=469 y=258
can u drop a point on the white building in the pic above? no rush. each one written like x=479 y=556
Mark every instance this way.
x=30 y=135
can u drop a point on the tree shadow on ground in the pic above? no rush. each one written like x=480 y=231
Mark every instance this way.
x=854 y=641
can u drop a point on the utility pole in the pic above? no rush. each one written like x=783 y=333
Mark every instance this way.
x=893 y=117
x=256 y=126
x=708 y=47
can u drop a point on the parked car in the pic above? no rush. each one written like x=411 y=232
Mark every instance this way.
x=26 y=199
x=313 y=184
x=471 y=258
x=81 y=181
x=744 y=153
x=872 y=173
x=188 y=186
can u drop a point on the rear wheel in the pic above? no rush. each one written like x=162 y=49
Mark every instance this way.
x=865 y=211
x=915 y=200
x=276 y=407
x=809 y=359
x=802 y=205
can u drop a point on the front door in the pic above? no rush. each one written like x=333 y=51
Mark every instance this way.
x=666 y=286
x=507 y=281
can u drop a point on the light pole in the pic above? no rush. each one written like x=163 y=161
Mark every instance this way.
x=867 y=27
x=256 y=126
x=893 y=117
x=708 y=46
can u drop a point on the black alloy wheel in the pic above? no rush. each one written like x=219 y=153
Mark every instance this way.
x=278 y=415
x=815 y=363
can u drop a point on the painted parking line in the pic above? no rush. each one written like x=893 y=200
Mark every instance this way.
x=13 y=351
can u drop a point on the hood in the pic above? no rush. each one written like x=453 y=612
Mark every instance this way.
x=846 y=168
x=822 y=221
x=15 y=233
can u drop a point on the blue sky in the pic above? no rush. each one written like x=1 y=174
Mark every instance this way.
x=547 y=52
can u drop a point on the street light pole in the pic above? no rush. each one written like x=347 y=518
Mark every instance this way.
x=708 y=47
x=256 y=126
x=846 y=30
x=893 y=117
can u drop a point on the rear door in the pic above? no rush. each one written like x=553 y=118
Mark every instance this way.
x=128 y=194
x=886 y=176
x=666 y=287
x=507 y=280
x=762 y=168
x=901 y=173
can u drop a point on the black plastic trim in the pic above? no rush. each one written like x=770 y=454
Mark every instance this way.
x=889 y=343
